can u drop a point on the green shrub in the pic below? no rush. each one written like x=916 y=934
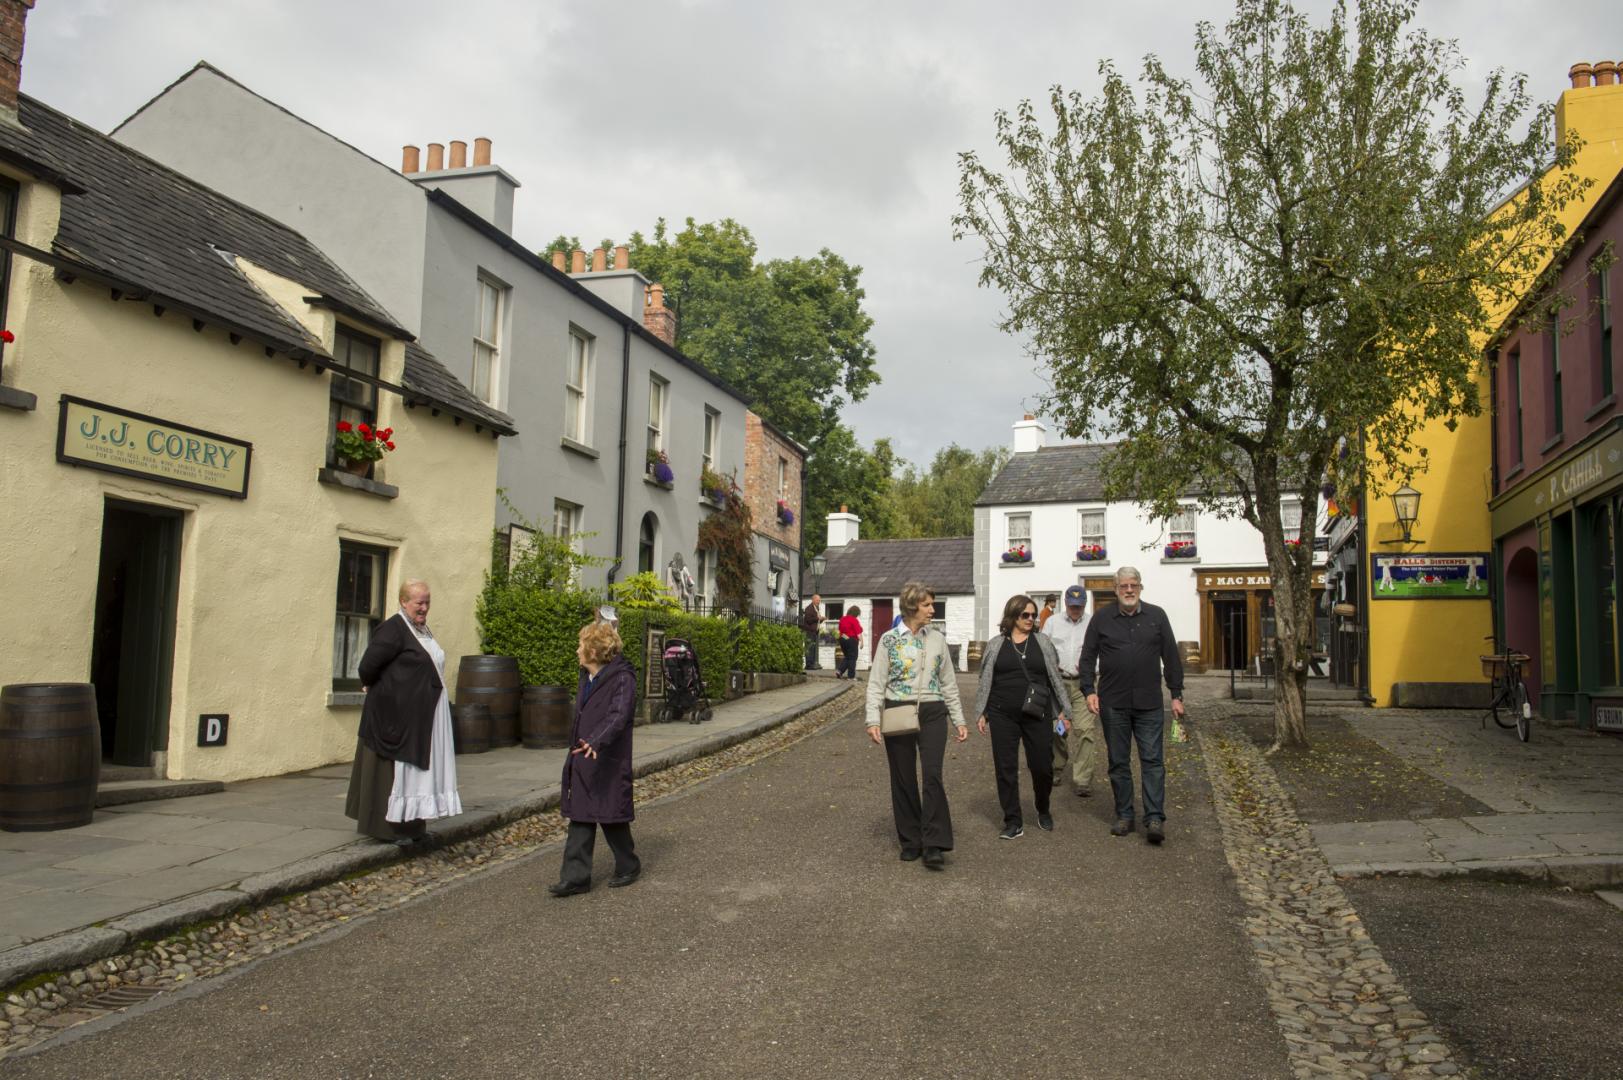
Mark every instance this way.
x=710 y=637
x=539 y=627
x=770 y=647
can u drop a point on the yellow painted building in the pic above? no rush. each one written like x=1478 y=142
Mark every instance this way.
x=1426 y=651
x=177 y=526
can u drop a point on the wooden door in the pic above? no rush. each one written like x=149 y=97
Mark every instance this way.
x=883 y=613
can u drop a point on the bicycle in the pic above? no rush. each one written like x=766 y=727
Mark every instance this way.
x=1509 y=703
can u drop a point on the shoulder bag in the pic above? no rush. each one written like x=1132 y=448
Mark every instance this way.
x=903 y=719
x=1036 y=704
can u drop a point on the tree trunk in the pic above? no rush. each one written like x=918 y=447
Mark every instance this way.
x=1291 y=569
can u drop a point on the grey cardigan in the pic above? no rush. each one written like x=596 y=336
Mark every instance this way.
x=1059 y=698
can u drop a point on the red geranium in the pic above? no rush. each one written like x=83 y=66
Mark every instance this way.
x=390 y=445
x=7 y=336
x=344 y=425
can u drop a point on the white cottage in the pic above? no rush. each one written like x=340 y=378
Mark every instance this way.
x=869 y=575
x=1043 y=524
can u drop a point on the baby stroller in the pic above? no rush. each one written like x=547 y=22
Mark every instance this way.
x=684 y=687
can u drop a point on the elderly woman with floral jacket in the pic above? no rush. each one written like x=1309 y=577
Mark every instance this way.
x=912 y=665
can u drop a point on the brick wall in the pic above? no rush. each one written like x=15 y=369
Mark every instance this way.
x=762 y=451
x=13 y=16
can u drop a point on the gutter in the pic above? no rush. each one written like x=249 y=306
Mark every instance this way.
x=620 y=481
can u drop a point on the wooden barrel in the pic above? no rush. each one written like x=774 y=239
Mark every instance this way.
x=470 y=725
x=494 y=682
x=546 y=719
x=975 y=648
x=50 y=756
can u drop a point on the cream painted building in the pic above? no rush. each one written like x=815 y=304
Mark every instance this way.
x=178 y=529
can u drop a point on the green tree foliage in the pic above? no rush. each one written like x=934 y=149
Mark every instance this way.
x=1307 y=245
x=940 y=500
x=790 y=333
x=643 y=590
x=840 y=472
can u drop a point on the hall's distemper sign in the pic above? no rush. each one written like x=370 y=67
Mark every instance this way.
x=101 y=437
x=1443 y=576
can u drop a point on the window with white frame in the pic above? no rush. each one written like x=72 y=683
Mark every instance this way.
x=1290 y=516
x=1181 y=526
x=712 y=437
x=1091 y=529
x=363 y=577
x=783 y=477
x=658 y=397
x=704 y=577
x=487 y=341
x=565 y=519
x=577 y=397
x=1019 y=531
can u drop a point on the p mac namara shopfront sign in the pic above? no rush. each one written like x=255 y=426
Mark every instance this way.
x=100 y=436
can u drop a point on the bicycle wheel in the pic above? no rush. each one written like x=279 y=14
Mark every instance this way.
x=1504 y=712
x=1517 y=700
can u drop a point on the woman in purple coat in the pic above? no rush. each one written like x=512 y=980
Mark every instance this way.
x=597 y=771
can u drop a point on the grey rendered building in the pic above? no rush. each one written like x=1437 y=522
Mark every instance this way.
x=580 y=360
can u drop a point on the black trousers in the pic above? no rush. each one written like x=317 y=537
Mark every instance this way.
x=583 y=841
x=847 y=661
x=923 y=819
x=1008 y=732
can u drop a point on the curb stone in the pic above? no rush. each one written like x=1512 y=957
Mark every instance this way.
x=1582 y=872
x=79 y=947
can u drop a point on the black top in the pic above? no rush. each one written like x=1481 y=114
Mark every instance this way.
x=1129 y=652
x=1010 y=679
x=403 y=690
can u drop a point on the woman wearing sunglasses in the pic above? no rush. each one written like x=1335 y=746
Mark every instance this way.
x=1021 y=699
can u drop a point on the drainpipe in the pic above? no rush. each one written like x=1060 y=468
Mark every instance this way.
x=620 y=486
x=1367 y=587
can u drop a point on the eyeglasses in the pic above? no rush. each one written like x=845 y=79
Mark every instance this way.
x=1027 y=615
x=1129 y=585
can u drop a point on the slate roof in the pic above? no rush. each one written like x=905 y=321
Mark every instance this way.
x=164 y=237
x=1052 y=474
x=882 y=567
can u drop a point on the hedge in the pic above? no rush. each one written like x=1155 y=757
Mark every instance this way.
x=710 y=637
x=540 y=627
x=767 y=646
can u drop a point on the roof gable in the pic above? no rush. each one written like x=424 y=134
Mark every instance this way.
x=882 y=567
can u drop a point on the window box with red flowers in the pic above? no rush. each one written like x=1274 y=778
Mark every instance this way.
x=1180 y=550
x=1091 y=553
x=1016 y=556
x=357 y=446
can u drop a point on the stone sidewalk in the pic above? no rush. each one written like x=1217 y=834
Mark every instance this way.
x=141 y=869
x=1558 y=802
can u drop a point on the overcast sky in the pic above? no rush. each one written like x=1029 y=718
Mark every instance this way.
x=829 y=124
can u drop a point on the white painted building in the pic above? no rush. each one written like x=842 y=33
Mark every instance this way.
x=869 y=575
x=1049 y=501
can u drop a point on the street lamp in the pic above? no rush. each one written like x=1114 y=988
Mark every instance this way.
x=818 y=565
x=1406 y=506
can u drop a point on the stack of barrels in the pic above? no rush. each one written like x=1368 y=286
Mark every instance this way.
x=493 y=683
x=50 y=756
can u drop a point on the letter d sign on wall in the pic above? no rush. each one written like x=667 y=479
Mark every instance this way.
x=211 y=728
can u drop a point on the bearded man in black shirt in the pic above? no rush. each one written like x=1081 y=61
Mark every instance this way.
x=1123 y=656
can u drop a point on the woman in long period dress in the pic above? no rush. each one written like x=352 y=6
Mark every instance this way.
x=405 y=764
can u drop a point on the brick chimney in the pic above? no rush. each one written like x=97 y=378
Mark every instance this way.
x=13 y=21
x=656 y=317
x=410 y=159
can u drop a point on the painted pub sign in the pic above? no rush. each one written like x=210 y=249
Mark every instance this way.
x=1444 y=576
x=98 y=436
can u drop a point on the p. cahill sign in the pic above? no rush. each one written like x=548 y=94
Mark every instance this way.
x=101 y=437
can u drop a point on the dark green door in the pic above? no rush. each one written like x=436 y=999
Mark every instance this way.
x=133 y=653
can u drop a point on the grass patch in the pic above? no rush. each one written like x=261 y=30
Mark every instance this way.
x=34 y=982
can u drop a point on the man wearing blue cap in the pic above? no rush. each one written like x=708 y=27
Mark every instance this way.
x=1066 y=631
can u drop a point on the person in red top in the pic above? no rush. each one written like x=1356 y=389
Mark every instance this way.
x=850 y=633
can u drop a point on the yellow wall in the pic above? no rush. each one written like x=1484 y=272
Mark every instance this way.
x=257 y=576
x=1441 y=640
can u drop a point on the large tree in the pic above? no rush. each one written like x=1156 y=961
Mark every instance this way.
x=940 y=500
x=1304 y=252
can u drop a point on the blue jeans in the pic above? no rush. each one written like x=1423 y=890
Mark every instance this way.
x=1122 y=728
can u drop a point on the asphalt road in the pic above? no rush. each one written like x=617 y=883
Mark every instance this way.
x=774 y=933
x=1526 y=980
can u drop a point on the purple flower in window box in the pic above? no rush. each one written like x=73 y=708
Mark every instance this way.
x=1017 y=555
x=663 y=473
x=1090 y=553
x=1181 y=549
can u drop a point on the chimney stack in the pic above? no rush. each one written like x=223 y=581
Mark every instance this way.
x=1579 y=74
x=622 y=257
x=1605 y=73
x=459 y=154
x=13 y=22
x=481 y=151
x=658 y=319
x=577 y=261
x=843 y=528
x=600 y=260
x=1029 y=435
x=410 y=159
x=559 y=262
x=436 y=156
